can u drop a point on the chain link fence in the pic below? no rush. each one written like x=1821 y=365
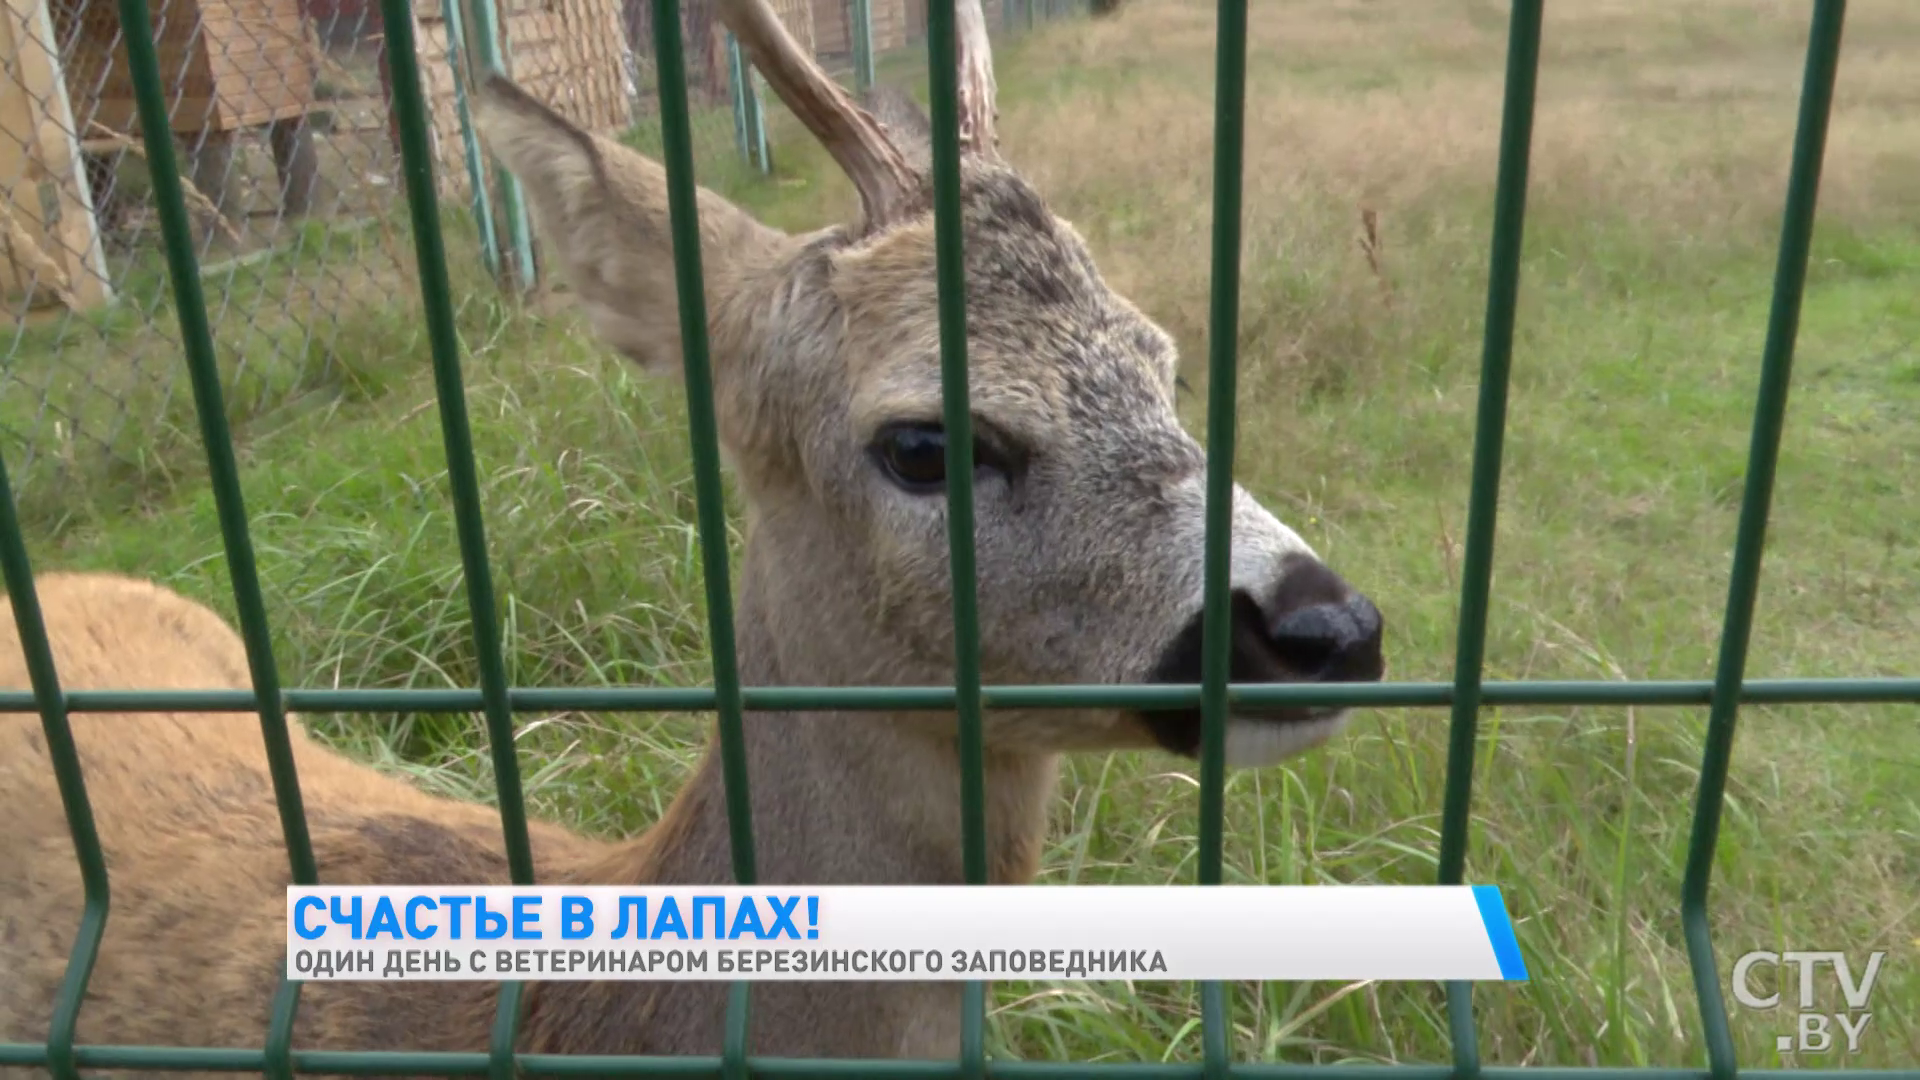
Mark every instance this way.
x=280 y=111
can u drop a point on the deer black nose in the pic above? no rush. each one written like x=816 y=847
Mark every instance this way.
x=1309 y=626
x=1319 y=628
x=1330 y=642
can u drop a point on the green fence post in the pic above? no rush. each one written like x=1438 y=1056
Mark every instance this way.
x=737 y=96
x=703 y=433
x=749 y=120
x=216 y=439
x=1769 y=416
x=38 y=653
x=1503 y=288
x=223 y=471
x=484 y=47
x=762 y=152
x=862 y=24
x=197 y=339
x=469 y=140
x=456 y=435
x=702 y=426
x=1229 y=96
x=943 y=78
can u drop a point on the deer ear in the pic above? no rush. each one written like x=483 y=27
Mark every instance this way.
x=601 y=210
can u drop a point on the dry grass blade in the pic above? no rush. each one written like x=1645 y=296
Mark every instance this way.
x=1370 y=247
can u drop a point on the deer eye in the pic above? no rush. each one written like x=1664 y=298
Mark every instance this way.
x=914 y=456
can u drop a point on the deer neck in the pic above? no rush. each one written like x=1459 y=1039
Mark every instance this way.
x=837 y=797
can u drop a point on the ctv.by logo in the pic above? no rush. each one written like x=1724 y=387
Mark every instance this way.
x=1813 y=1032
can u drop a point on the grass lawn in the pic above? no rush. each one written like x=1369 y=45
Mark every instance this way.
x=1660 y=157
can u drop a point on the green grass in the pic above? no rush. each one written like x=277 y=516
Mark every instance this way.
x=1660 y=162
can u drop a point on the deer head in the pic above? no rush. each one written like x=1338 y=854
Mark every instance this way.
x=1089 y=495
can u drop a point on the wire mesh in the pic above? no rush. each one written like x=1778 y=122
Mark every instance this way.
x=282 y=117
x=289 y=172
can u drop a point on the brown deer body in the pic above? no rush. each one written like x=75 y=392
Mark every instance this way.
x=1089 y=524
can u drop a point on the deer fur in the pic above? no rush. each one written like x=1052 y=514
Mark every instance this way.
x=1089 y=522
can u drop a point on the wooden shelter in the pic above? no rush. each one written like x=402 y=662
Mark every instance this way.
x=231 y=63
x=896 y=24
x=227 y=66
x=49 y=233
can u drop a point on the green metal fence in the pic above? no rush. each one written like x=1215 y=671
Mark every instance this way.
x=1724 y=693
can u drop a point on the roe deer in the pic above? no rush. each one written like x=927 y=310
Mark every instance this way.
x=827 y=387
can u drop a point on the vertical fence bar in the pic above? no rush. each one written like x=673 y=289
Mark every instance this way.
x=750 y=117
x=1222 y=363
x=1769 y=417
x=943 y=77
x=862 y=19
x=38 y=654
x=475 y=155
x=757 y=124
x=733 y=1046
x=1503 y=289
x=683 y=213
x=950 y=268
x=196 y=338
x=483 y=46
x=430 y=253
x=1223 y=333
x=737 y=92
x=444 y=338
x=689 y=282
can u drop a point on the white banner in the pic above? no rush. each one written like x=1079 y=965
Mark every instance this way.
x=913 y=933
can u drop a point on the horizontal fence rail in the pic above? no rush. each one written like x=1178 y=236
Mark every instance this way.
x=1466 y=694
x=1159 y=697
x=704 y=1067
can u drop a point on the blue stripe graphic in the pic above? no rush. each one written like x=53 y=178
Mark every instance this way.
x=1506 y=948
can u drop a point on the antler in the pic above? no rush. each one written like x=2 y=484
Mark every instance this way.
x=887 y=184
x=879 y=171
x=974 y=57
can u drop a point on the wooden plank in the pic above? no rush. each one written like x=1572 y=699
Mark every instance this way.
x=97 y=77
x=267 y=115
x=262 y=60
x=832 y=31
x=26 y=261
x=189 y=114
x=61 y=257
x=252 y=38
x=241 y=101
x=192 y=84
x=291 y=67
